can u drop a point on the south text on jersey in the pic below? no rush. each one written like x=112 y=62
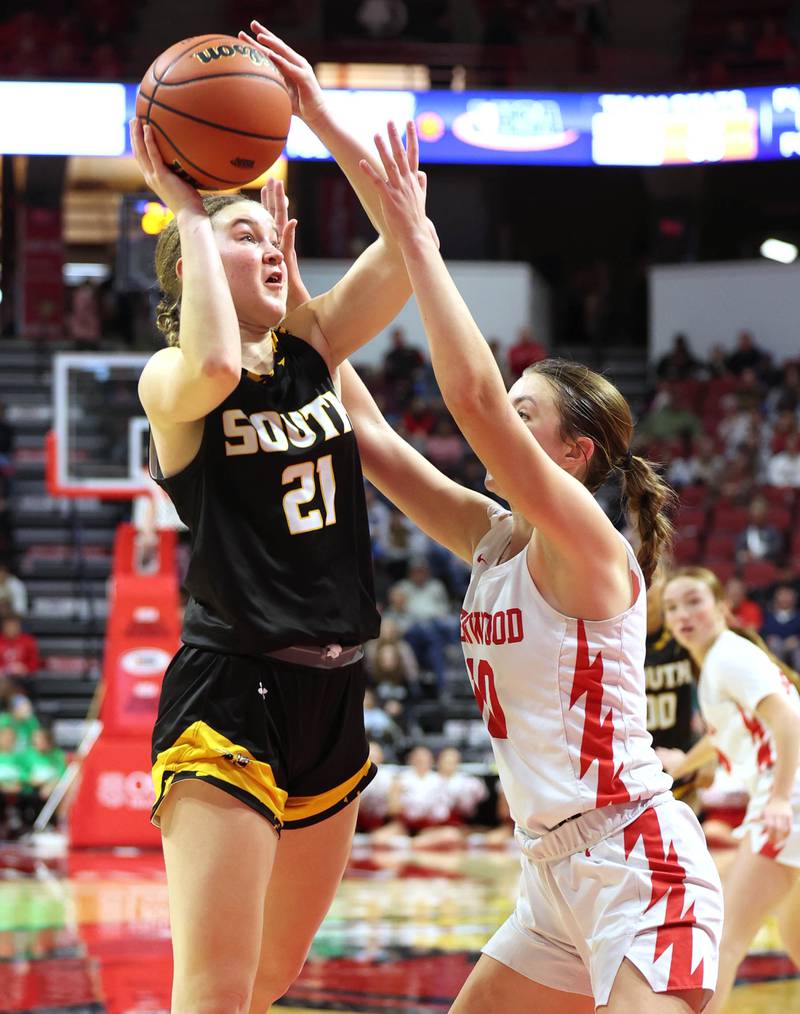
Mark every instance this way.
x=271 y=431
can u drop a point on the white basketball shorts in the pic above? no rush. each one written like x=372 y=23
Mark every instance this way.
x=632 y=881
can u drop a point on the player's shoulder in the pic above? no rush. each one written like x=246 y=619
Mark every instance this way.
x=733 y=651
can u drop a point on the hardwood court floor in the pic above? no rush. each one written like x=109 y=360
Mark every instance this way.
x=88 y=933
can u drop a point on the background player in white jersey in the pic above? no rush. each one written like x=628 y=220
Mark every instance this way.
x=619 y=904
x=752 y=713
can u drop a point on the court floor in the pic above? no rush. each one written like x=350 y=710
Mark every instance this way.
x=88 y=932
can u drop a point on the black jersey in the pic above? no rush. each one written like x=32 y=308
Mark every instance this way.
x=274 y=503
x=670 y=691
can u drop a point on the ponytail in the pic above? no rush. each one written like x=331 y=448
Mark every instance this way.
x=648 y=499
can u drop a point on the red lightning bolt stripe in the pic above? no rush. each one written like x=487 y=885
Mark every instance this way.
x=597 y=742
x=759 y=736
x=668 y=879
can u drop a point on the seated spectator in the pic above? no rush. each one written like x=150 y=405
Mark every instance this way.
x=773 y=45
x=785 y=397
x=7 y=439
x=21 y=718
x=665 y=420
x=746 y=355
x=13 y=596
x=154 y=512
x=402 y=541
x=445 y=446
x=783 y=468
x=738 y=45
x=760 y=540
x=785 y=424
x=743 y=610
x=781 y=625
x=419 y=798
x=378 y=724
x=19 y=652
x=738 y=479
x=706 y=464
x=46 y=763
x=466 y=791
x=391 y=663
x=524 y=352
x=13 y=779
x=434 y=625
x=419 y=416
x=679 y=363
x=373 y=804
x=401 y=362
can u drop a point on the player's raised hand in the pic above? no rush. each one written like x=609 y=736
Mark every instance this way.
x=401 y=186
x=275 y=201
x=306 y=94
x=171 y=190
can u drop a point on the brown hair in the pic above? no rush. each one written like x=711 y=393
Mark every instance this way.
x=168 y=251
x=710 y=579
x=590 y=406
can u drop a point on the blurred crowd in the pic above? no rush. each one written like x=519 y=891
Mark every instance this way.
x=94 y=40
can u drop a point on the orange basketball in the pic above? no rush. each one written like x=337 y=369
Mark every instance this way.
x=219 y=109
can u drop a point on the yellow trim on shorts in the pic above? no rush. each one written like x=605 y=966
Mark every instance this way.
x=303 y=807
x=199 y=752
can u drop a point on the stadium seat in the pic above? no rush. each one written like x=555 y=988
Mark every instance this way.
x=725 y=569
x=685 y=550
x=728 y=518
x=721 y=546
x=759 y=573
x=695 y=496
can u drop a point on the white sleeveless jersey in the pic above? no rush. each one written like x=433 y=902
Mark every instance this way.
x=563 y=699
x=736 y=676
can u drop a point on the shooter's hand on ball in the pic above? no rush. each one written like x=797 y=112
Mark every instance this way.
x=308 y=101
x=274 y=199
x=170 y=189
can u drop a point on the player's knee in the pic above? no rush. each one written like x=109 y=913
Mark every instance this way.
x=200 y=994
x=274 y=980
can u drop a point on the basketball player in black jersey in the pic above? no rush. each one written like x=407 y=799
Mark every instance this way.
x=669 y=685
x=260 y=725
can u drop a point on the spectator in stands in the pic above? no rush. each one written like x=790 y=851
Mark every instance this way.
x=743 y=610
x=781 y=625
x=466 y=792
x=666 y=420
x=785 y=397
x=373 y=804
x=419 y=417
x=13 y=777
x=379 y=725
x=391 y=663
x=706 y=464
x=434 y=627
x=783 y=468
x=153 y=512
x=738 y=45
x=13 y=596
x=419 y=798
x=45 y=763
x=83 y=320
x=382 y=19
x=747 y=355
x=524 y=352
x=20 y=716
x=773 y=45
x=7 y=439
x=401 y=542
x=784 y=425
x=759 y=540
x=19 y=652
x=738 y=478
x=445 y=446
x=401 y=361
x=679 y=363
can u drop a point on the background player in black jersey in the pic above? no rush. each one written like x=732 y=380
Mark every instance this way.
x=671 y=712
x=260 y=724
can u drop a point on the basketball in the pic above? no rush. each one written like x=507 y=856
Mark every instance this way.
x=219 y=110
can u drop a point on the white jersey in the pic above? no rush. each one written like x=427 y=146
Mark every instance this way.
x=423 y=799
x=563 y=698
x=736 y=676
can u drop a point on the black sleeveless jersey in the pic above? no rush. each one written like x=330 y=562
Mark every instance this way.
x=670 y=691
x=274 y=503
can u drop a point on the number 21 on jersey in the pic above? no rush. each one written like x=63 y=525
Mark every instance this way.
x=312 y=521
x=486 y=695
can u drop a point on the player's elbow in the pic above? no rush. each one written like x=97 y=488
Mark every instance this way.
x=222 y=368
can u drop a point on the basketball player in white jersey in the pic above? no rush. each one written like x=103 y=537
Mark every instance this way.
x=752 y=713
x=619 y=905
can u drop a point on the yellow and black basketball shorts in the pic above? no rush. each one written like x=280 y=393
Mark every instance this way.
x=287 y=740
